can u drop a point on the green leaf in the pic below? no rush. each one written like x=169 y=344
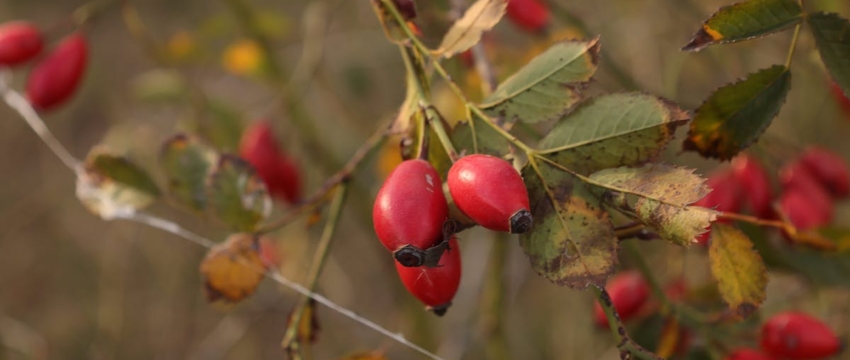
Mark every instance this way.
x=111 y=186
x=572 y=242
x=613 y=130
x=476 y=137
x=735 y=115
x=222 y=127
x=236 y=195
x=740 y=272
x=832 y=36
x=746 y=20
x=548 y=86
x=186 y=163
x=482 y=16
x=663 y=194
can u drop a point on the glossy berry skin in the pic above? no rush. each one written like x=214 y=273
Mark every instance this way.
x=57 y=76
x=279 y=172
x=829 y=169
x=628 y=291
x=747 y=354
x=804 y=201
x=795 y=335
x=435 y=286
x=19 y=42
x=530 y=15
x=410 y=208
x=491 y=192
x=753 y=179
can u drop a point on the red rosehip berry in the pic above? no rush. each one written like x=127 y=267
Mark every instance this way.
x=434 y=286
x=725 y=195
x=279 y=172
x=804 y=201
x=839 y=96
x=747 y=354
x=530 y=15
x=491 y=192
x=19 y=42
x=407 y=8
x=410 y=208
x=795 y=335
x=628 y=291
x=753 y=179
x=829 y=169
x=56 y=77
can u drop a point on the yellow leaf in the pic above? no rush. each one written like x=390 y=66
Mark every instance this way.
x=482 y=16
x=233 y=269
x=740 y=271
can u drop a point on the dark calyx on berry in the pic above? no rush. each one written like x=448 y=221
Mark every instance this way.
x=439 y=310
x=521 y=222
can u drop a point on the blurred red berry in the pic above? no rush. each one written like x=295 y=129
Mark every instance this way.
x=725 y=195
x=804 y=201
x=530 y=15
x=752 y=177
x=829 y=169
x=56 y=77
x=628 y=291
x=747 y=354
x=796 y=335
x=280 y=173
x=434 y=286
x=19 y=42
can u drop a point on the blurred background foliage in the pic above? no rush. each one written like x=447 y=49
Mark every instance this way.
x=75 y=287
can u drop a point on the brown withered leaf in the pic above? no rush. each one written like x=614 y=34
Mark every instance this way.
x=233 y=269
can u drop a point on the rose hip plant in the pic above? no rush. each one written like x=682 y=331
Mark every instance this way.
x=532 y=147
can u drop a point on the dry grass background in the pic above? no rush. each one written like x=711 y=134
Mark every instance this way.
x=75 y=287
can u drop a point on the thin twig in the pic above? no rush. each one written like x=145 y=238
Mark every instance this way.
x=25 y=110
x=624 y=343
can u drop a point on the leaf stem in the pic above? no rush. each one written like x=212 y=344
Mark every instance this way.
x=291 y=337
x=793 y=45
x=624 y=342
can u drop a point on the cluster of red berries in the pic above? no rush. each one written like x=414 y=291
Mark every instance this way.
x=277 y=169
x=792 y=336
x=411 y=219
x=810 y=185
x=55 y=76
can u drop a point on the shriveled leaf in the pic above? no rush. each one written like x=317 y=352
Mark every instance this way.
x=232 y=269
x=548 y=86
x=186 y=163
x=572 y=242
x=482 y=16
x=746 y=20
x=613 y=130
x=222 y=126
x=832 y=36
x=663 y=194
x=110 y=185
x=735 y=115
x=307 y=330
x=476 y=137
x=740 y=272
x=236 y=194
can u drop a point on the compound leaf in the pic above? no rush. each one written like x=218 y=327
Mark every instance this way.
x=746 y=20
x=548 y=86
x=572 y=242
x=482 y=16
x=613 y=130
x=735 y=115
x=740 y=272
x=236 y=195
